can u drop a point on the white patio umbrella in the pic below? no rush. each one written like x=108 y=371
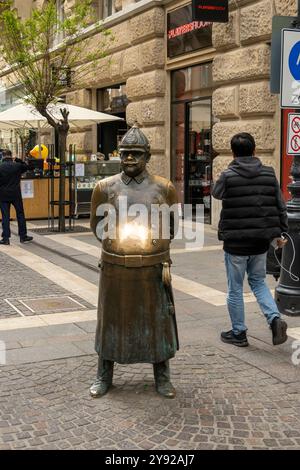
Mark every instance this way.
x=27 y=117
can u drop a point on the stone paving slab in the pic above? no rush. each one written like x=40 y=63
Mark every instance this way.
x=46 y=352
x=40 y=337
x=87 y=346
x=90 y=239
x=20 y=282
x=52 y=340
x=222 y=403
x=88 y=326
x=26 y=334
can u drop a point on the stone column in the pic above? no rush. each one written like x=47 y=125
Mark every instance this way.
x=82 y=138
x=146 y=89
x=137 y=57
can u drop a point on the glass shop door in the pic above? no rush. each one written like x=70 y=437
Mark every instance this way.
x=198 y=155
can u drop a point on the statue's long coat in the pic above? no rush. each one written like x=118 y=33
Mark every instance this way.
x=136 y=319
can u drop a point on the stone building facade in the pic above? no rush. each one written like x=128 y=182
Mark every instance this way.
x=136 y=57
x=240 y=61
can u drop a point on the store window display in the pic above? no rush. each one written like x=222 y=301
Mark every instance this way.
x=199 y=168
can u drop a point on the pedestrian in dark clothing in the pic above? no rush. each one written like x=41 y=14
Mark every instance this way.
x=10 y=193
x=253 y=214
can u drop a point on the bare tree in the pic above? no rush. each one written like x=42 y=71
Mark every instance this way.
x=47 y=55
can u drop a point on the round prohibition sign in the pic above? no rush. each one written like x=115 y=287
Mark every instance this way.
x=295 y=143
x=296 y=124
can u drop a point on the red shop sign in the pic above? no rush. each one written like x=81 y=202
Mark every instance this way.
x=215 y=11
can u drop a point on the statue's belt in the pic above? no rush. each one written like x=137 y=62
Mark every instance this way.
x=136 y=261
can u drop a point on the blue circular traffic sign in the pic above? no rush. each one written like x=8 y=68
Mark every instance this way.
x=294 y=61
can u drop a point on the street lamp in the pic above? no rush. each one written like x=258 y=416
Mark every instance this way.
x=287 y=294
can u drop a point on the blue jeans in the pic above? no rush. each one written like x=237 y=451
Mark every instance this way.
x=255 y=266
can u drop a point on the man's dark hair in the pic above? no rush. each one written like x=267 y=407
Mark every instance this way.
x=6 y=154
x=243 y=145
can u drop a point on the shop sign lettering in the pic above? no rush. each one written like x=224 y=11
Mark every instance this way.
x=187 y=28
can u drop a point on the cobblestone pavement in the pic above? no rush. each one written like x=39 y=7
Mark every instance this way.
x=222 y=403
x=19 y=283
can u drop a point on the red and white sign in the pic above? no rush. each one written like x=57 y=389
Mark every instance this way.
x=187 y=28
x=293 y=140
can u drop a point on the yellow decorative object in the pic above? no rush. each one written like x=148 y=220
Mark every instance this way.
x=39 y=154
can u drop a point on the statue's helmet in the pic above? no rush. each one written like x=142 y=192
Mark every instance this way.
x=135 y=140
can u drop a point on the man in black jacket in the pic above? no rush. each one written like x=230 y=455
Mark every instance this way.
x=253 y=214
x=10 y=193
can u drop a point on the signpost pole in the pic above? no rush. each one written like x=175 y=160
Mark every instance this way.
x=287 y=294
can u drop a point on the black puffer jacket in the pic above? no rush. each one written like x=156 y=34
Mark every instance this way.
x=253 y=210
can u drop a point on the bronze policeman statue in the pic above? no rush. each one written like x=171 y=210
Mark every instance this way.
x=136 y=315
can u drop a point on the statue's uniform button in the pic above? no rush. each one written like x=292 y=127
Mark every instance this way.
x=154 y=242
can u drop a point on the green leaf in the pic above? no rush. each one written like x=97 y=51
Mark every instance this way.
x=29 y=47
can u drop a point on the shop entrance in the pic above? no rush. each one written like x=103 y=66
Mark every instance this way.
x=191 y=150
x=198 y=155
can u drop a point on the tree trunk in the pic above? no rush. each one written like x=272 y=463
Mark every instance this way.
x=62 y=129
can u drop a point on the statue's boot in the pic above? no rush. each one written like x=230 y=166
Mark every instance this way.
x=162 y=380
x=104 y=378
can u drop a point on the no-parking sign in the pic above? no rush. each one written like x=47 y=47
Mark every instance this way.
x=293 y=140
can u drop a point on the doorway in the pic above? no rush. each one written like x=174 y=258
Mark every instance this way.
x=191 y=149
x=198 y=162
